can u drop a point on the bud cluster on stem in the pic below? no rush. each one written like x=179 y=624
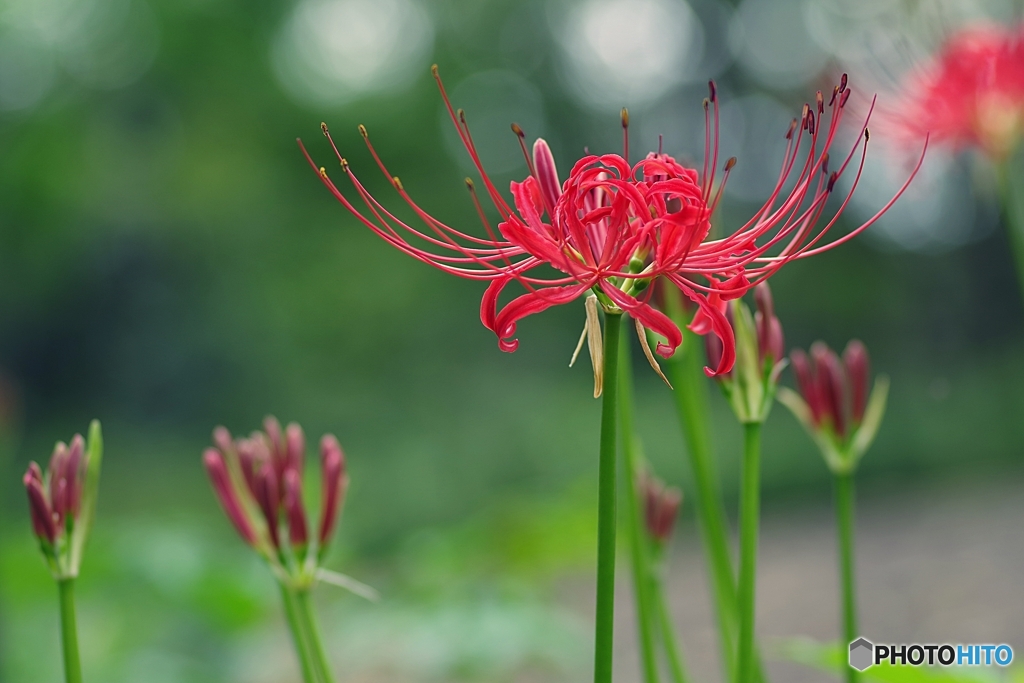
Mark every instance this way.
x=835 y=403
x=259 y=482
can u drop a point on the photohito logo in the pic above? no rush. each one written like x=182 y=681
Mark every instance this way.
x=864 y=654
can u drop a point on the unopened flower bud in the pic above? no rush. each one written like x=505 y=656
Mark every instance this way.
x=831 y=386
x=222 y=439
x=335 y=480
x=547 y=173
x=268 y=497
x=770 y=341
x=661 y=504
x=807 y=384
x=214 y=463
x=858 y=371
x=295 y=441
x=272 y=428
x=73 y=470
x=43 y=523
x=297 y=531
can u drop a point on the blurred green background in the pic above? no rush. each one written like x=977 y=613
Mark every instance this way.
x=168 y=262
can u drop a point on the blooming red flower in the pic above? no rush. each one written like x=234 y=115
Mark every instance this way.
x=611 y=228
x=971 y=92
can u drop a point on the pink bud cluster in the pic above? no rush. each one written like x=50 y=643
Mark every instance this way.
x=56 y=498
x=271 y=465
x=661 y=504
x=836 y=391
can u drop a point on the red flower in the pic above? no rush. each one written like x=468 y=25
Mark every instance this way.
x=971 y=93
x=612 y=228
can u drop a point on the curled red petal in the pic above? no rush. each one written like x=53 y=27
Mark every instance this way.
x=528 y=304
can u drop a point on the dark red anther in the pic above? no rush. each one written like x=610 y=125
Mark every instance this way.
x=792 y=127
x=858 y=371
x=517 y=130
x=712 y=91
x=842 y=83
x=832 y=180
x=845 y=96
x=821 y=102
x=810 y=122
x=824 y=163
x=730 y=164
x=835 y=93
x=298 y=534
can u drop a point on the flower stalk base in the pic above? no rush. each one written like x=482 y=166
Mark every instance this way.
x=605 y=610
x=69 y=631
x=844 y=499
x=750 y=504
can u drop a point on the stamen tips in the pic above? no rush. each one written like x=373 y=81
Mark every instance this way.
x=433 y=70
x=845 y=96
x=712 y=91
x=824 y=163
x=323 y=172
x=517 y=130
x=469 y=184
x=362 y=131
x=810 y=122
x=397 y=183
x=462 y=115
x=842 y=83
x=729 y=164
x=344 y=164
x=835 y=93
x=867 y=135
x=323 y=127
x=624 y=116
x=832 y=180
x=706 y=102
x=821 y=102
x=792 y=127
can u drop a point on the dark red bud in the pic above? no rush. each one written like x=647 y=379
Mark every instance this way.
x=43 y=524
x=222 y=440
x=547 y=173
x=807 y=384
x=661 y=504
x=334 y=481
x=74 y=473
x=298 y=534
x=272 y=428
x=296 y=447
x=858 y=370
x=214 y=463
x=268 y=497
x=831 y=385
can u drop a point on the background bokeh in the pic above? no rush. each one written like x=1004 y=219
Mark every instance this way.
x=168 y=262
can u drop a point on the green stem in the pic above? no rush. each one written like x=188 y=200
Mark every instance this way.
x=605 y=612
x=1013 y=215
x=299 y=636
x=691 y=402
x=316 y=644
x=750 y=504
x=639 y=547
x=844 y=524
x=668 y=634
x=69 y=631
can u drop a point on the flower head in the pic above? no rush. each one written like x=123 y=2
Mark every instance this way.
x=258 y=481
x=612 y=226
x=62 y=500
x=970 y=93
x=834 y=404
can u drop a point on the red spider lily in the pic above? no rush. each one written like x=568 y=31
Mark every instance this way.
x=270 y=467
x=612 y=228
x=971 y=92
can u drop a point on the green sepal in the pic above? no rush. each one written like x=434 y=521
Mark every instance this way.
x=90 y=491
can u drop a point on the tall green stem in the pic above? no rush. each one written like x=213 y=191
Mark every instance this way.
x=316 y=644
x=69 y=631
x=668 y=634
x=639 y=547
x=844 y=525
x=299 y=637
x=750 y=504
x=604 y=627
x=691 y=402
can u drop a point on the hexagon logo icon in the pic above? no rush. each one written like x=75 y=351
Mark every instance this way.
x=861 y=654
